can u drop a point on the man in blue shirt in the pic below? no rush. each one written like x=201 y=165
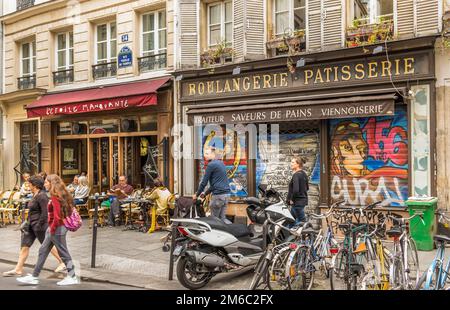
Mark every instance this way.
x=216 y=176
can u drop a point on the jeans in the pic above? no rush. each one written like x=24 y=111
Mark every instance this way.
x=298 y=212
x=218 y=205
x=59 y=241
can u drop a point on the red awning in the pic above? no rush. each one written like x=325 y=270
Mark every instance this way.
x=107 y=98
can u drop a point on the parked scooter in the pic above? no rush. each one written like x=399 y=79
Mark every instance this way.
x=212 y=247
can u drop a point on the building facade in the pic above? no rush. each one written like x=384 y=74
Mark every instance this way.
x=88 y=89
x=350 y=85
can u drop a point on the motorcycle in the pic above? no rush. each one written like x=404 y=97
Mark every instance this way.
x=208 y=246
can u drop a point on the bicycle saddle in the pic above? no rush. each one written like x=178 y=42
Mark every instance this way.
x=394 y=232
x=442 y=238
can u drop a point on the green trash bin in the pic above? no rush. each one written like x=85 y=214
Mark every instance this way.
x=423 y=234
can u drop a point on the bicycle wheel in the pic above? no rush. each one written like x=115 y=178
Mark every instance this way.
x=429 y=279
x=339 y=271
x=397 y=275
x=261 y=271
x=277 y=278
x=412 y=269
x=300 y=269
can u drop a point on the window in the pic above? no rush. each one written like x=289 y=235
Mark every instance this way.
x=28 y=59
x=64 y=51
x=220 y=23
x=154 y=33
x=290 y=15
x=372 y=11
x=106 y=51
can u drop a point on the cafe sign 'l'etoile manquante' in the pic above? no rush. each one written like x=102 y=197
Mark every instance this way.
x=367 y=69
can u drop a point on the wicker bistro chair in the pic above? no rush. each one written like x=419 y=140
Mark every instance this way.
x=135 y=209
x=10 y=207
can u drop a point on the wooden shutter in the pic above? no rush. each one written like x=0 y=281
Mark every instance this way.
x=427 y=17
x=254 y=29
x=314 y=31
x=333 y=24
x=188 y=25
x=238 y=30
x=405 y=18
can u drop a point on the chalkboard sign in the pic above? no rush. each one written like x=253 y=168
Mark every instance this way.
x=125 y=58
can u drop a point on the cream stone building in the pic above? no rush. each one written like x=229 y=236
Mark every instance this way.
x=112 y=59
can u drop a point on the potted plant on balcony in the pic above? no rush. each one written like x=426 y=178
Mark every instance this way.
x=218 y=55
x=290 y=42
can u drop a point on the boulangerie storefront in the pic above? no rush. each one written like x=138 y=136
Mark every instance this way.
x=363 y=122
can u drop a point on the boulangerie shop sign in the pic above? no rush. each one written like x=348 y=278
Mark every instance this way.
x=319 y=75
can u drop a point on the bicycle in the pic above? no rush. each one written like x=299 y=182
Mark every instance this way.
x=437 y=275
x=404 y=271
x=348 y=264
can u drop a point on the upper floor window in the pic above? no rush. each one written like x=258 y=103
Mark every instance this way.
x=105 y=51
x=153 y=41
x=372 y=11
x=106 y=41
x=64 y=58
x=220 y=23
x=64 y=51
x=28 y=59
x=290 y=16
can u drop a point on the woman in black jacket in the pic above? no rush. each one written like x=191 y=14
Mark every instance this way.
x=298 y=190
x=37 y=217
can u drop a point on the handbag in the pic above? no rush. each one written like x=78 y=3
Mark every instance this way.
x=25 y=227
x=73 y=222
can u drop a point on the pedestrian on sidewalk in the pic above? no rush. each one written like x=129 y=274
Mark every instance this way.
x=37 y=219
x=298 y=190
x=216 y=176
x=60 y=206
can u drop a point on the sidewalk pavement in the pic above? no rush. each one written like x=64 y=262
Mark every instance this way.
x=130 y=258
x=123 y=257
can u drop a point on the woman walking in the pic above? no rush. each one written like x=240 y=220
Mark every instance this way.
x=60 y=206
x=298 y=190
x=37 y=219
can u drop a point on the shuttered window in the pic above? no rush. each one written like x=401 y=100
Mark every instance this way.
x=325 y=24
x=188 y=26
x=290 y=15
x=220 y=23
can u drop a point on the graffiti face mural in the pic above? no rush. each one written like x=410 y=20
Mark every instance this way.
x=369 y=160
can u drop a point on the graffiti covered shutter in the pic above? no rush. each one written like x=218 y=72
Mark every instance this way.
x=369 y=159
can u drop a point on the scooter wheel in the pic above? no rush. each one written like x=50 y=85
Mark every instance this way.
x=166 y=248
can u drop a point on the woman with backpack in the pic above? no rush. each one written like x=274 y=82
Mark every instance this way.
x=60 y=207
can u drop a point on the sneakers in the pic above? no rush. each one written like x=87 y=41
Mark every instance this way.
x=60 y=268
x=68 y=281
x=29 y=280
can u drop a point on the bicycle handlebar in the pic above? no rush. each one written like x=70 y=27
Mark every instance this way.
x=329 y=212
x=404 y=219
x=442 y=215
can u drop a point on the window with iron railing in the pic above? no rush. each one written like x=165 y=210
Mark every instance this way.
x=64 y=59
x=24 y=4
x=105 y=51
x=153 y=41
x=27 y=77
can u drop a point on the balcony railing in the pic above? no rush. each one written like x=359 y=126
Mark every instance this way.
x=27 y=82
x=24 y=4
x=63 y=77
x=152 y=62
x=104 y=70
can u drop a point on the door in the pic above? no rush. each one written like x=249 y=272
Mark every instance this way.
x=29 y=138
x=101 y=159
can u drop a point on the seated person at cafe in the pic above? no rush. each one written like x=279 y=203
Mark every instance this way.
x=117 y=192
x=25 y=189
x=81 y=193
x=72 y=187
x=160 y=195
